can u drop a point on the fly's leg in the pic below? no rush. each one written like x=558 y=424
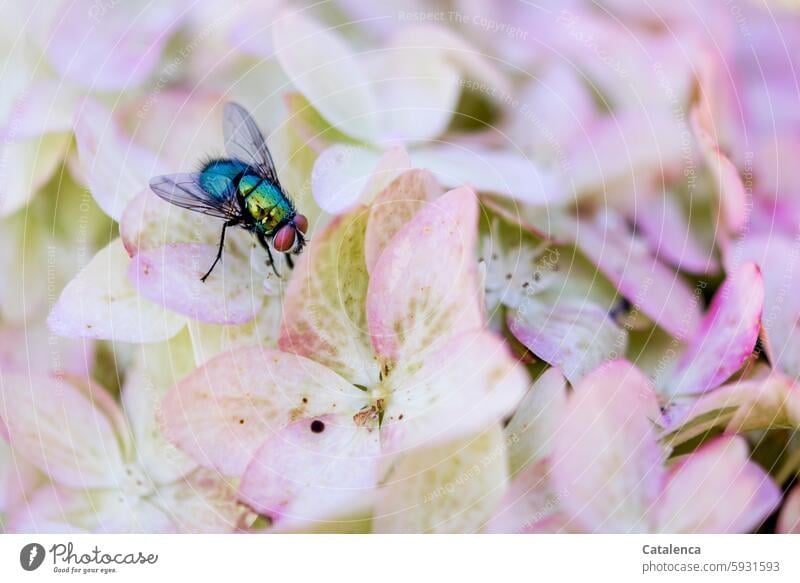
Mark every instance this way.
x=265 y=245
x=271 y=261
x=219 y=250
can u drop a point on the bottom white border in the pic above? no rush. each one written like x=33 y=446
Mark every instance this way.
x=385 y=558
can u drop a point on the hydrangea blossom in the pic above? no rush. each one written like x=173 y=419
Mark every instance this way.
x=606 y=470
x=376 y=361
x=109 y=468
x=390 y=101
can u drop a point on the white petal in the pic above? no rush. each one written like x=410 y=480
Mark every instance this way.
x=529 y=434
x=72 y=433
x=328 y=73
x=493 y=171
x=450 y=488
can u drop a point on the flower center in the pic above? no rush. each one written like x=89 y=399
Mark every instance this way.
x=371 y=414
x=136 y=483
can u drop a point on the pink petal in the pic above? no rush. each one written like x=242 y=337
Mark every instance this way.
x=64 y=429
x=222 y=412
x=149 y=222
x=18 y=477
x=522 y=49
x=719 y=95
x=117 y=168
x=396 y=205
x=462 y=389
x=789 y=519
x=452 y=488
x=491 y=171
x=624 y=148
x=53 y=509
x=21 y=351
x=302 y=474
x=778 y=178
x=181 y=126
x=553 y=109
x=727 y=335
x=716 y=490
x=109 y=47
x=656 y=290
x=574 y=335
x=606 y=459
x=766 y=73
x=610 y=54
x=324 y=307
x=731 y=190
x=527 y=504
x=316 y=59
x=411 y=307
x=100 y=303
x=171 y=276
x=555 y=523
x=777 y=257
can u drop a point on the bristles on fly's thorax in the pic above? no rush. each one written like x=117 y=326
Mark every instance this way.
x=203 y=162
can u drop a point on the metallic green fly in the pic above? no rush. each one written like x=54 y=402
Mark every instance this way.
x=244 y=190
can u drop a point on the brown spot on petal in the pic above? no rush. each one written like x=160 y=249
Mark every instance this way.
x=496 y=375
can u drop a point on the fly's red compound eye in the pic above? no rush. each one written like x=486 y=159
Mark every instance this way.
x=284 y=239
x=301 y=222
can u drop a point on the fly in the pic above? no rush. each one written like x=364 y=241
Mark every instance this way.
x=242 y=189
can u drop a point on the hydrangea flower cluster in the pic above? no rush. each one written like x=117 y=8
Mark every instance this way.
x=548 y=284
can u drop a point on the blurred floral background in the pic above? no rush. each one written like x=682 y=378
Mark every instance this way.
x=549 y=285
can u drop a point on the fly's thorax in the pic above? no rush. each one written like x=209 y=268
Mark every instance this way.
x=218 y=177
x=264 y=202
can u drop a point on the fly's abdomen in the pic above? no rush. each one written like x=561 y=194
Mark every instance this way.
x=265 y=202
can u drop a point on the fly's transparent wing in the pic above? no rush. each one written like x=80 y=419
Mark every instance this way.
x=245 y=142
x=184 y=190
